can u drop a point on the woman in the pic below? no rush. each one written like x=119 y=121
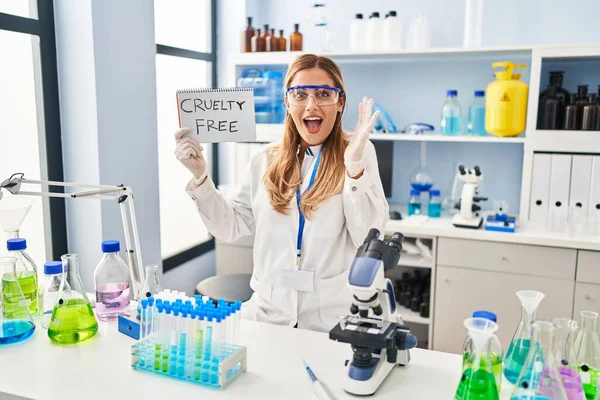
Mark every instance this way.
x=310 y=201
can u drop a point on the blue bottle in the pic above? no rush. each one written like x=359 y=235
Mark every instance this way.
x=476 y=124
x=434 y=208
x=414 y=203
x=451 y=112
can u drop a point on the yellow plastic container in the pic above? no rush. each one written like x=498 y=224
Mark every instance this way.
x=506 y=102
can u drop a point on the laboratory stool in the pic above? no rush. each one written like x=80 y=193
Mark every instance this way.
x=235 y=287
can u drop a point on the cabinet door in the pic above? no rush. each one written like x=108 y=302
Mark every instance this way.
x=587 y=298
x=461 y=291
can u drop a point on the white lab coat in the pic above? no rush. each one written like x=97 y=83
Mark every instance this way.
x=330 y=240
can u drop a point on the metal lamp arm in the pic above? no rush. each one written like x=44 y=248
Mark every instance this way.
x=122 y=194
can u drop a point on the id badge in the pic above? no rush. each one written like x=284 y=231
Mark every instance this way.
x=299 y=280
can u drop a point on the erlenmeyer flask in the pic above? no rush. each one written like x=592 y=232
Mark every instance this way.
x=477 y=380
x=539 y=378
x=151 y=285
x=521 y=341
x=73 y=319
x=587 y=351
x=564 y=335
x=16 y=322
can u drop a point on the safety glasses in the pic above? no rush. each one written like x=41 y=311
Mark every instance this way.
x=323 y=95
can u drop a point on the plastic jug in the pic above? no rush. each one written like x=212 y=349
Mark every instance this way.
x=506 y=102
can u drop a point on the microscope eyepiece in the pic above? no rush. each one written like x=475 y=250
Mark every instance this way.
x=396 y=241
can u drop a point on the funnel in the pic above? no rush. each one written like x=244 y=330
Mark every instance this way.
x=13 y=211
x=480 y=330
x=530 y=299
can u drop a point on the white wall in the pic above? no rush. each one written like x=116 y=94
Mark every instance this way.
x=505 y=21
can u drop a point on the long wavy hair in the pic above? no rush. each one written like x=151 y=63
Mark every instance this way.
x=283 y=174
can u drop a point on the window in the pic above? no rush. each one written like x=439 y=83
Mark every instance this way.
x=185 y=37
x=29 y=118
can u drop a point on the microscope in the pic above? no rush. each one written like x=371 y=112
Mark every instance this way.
x=376 y=334
x=469 y=217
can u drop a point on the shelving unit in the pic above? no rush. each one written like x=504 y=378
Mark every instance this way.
x=371 y=73
x=410 y=316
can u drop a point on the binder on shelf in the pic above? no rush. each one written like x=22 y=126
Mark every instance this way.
x=540 y=188
x=560 y=182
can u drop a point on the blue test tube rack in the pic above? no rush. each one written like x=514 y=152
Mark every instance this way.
x=217 y=372
x=204 y=363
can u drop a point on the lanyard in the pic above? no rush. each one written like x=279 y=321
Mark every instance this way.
x=302 y=219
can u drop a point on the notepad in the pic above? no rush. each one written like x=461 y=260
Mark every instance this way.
x=218 y=115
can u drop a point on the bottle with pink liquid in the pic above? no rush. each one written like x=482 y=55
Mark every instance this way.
x=111 y=281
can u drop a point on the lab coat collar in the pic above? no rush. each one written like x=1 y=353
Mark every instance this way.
x=312 y=151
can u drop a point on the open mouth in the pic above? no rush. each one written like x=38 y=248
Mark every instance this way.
x=313 y=124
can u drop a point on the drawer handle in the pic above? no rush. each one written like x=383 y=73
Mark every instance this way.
x=587 y=297
x=504 y=258
x=446 y=280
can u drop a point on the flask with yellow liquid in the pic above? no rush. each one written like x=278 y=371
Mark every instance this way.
x=506 y=101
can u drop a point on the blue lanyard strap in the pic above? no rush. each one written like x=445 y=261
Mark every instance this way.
x=298 y=196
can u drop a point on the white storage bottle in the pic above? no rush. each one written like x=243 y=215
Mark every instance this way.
x=392 y=32
x=374 y=33
x=358 y=32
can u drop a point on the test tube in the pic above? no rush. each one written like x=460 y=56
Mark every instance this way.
x=166 y=342
x=183 y=329
x=174 y=339
x=199 y=348
x=150 y=316
x=159 y=332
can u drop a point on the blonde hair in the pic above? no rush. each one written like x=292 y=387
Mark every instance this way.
x=283 y=174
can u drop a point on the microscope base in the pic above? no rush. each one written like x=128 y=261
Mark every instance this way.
x=473 y=223
x=381 y=371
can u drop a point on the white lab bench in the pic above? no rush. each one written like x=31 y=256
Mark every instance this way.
x=100 y=369
x=478 y=269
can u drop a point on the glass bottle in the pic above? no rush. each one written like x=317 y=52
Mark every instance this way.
x=296 y=39
x=521 y=341
x=414 y=203
x=265 y=36
x=477 y=380
x=493 y=349
x=111 y=283
x=590 y=113
x=540 y=378
x=282 y=44
x=587 y=351
x=434 y=208
x=476 y=124
x=16 y=321
x=49 y=290
x=568 y=366
x=152 y=284
x=572 y=119
x=26 y=273
x=451 y=111
x=73 y=319
x=258 y=42
x=556 y=81
x=272 y=41
x=247 y=35
x=550 y=110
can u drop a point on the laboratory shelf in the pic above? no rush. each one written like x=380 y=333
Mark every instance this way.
x=446 y=53
x=410 y=316
x=415 y=261
x=565 y=141
x=446 y=138
x=274 y=132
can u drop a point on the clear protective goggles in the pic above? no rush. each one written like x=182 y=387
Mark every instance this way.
x=323 y=95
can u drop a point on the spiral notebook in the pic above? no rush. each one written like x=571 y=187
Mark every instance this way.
x=218 y=115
